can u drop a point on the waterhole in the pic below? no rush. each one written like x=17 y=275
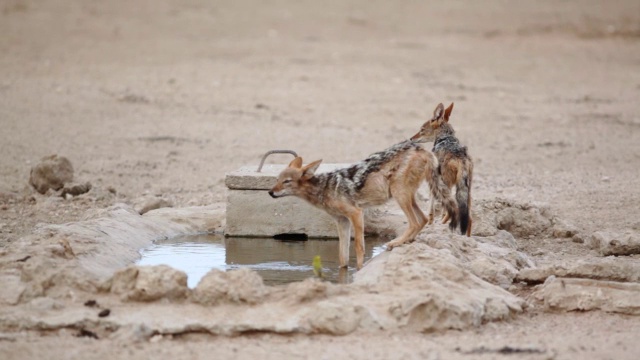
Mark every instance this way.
x=277 y=261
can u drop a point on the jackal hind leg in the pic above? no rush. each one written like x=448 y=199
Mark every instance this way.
x=415 y=216
x=432 y=209
x=422 y=219
x=445 y=214
x=344 y=236
x=445 y=218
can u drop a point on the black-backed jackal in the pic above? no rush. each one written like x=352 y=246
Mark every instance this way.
x=395 y=172
x=456 y=166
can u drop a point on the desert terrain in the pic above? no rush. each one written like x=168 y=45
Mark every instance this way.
x=160 y=99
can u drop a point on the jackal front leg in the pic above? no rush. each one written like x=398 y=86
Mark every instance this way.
x=344 y=236
x=357 y=220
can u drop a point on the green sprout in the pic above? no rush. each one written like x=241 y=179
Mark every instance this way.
x=317 y=266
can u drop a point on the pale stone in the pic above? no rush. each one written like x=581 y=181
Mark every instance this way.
x=52 y=172
x=493 y=258
x=562 y=229
x=610 y=268
x=335 y=317
x=615 y=243
x=235 y=286
x=426 y=289
x=585 y=295
x=149 y=283
x=12 y=287
x=153 y=204
x=520 y=219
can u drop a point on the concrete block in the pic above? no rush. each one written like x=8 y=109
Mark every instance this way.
x=246 y=178
x=252 y=212
x=255 y=213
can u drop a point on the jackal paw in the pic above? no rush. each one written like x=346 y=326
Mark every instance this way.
x=445 y=218
x=394 y=243
x=430 y=219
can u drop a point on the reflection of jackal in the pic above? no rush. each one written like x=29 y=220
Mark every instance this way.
x=456 y=166
x=396 y=172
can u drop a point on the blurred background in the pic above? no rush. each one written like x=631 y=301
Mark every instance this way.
x=162 y=98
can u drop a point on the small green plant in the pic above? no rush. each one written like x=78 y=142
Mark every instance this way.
x=317 y=266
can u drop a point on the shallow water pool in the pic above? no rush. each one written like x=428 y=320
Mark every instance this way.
x=277 y=261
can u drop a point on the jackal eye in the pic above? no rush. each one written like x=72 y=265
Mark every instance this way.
x=286 y=181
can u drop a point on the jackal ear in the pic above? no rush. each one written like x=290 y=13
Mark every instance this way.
x=296 y=163
x=438 y=112
x=310 y=169
x=447 y=112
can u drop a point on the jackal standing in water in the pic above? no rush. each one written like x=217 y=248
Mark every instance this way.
x=396 y=172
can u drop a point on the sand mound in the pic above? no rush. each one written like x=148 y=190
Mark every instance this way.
x=521 y=219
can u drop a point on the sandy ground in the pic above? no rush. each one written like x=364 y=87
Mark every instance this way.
x=164 y=98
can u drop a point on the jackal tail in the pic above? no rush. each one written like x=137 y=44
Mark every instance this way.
x=463 y=197
x=441 y=192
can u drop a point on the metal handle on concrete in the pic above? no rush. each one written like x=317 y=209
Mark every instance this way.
x=275 y=152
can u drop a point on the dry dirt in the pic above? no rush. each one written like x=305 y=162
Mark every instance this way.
x=161 y=99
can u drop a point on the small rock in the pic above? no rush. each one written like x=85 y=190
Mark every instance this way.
x=523 y=220
x=91 y=303
x=156 y=338
x=562 y=229
x=134 y=332
x=236 y=286
x=87 y=333
x=613 y=243
x=335 y=319
x=308 y=289
x=51 y=173
x=75 y=190
x=154 y=204
x=577 y=238
x=104 y=313
x=13 y=289
x=533 y=275
x=149 y=283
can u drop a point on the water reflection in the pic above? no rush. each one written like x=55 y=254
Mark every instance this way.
x=277 y=261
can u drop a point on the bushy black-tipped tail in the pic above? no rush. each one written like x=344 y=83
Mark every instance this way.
x=463 y=197
x=441 y=192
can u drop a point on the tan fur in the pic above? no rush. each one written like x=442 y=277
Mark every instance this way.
x=455 y=166
x=398 y=177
